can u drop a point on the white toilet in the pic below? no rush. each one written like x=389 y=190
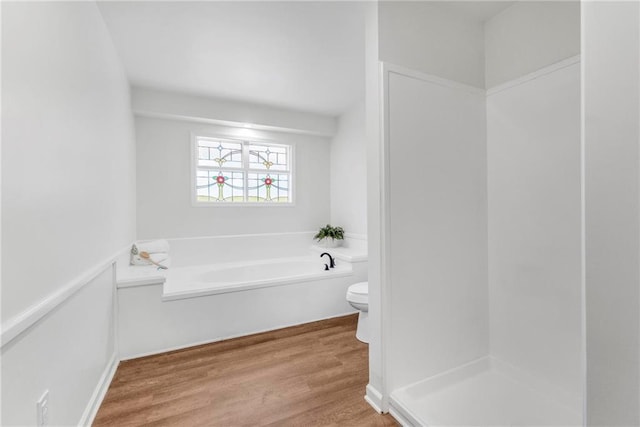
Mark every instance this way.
x=358 y=297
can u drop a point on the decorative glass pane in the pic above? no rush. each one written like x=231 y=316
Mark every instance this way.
x=219 y=153
x=219 y=186
x=270 y=188
x=268 y=157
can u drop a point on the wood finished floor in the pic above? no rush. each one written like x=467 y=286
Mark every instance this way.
x=308 y=375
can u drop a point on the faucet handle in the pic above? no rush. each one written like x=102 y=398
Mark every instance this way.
x=326 y=267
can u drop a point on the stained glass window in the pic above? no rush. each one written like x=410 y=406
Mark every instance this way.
x=268 y=157
x=220 y=186
x=266 y=187
x=233 y=171
x=219 y=153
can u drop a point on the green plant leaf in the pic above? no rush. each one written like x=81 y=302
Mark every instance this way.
x=336 y=233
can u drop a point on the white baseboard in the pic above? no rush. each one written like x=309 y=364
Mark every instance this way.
x=402 y=414
x=100 y=391
x=400 y=418
x=374 y=398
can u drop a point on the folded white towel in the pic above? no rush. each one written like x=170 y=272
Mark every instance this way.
x=160 y=258
x=152 y=247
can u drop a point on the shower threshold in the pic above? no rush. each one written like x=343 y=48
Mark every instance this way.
x=483 y=393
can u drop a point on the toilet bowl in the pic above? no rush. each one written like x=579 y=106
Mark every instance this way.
x=358 y=297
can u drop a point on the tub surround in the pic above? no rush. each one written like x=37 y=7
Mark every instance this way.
x=198 y=253
x=343 y=254
x=161 y=310
x=212 y=279
x=138 y=275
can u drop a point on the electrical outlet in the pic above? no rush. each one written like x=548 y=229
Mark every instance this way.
x=42 y=409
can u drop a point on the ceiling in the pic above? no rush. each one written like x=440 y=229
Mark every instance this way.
x=300 y=55
x=307 y=56
x=479 y=10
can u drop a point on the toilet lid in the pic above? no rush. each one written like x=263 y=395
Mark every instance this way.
x=361 y=288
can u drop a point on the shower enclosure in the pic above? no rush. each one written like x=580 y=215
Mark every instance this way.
x=483 y=284
x=484 y=259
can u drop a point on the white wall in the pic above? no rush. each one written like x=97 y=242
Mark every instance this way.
x=427 y=38
x=533 y=138
x=67 y=354
x=349 y=172
x=376 y=389
x=437 y=237
x=611 y=37
x=164 y=204
x=530 y=35
x=157 y=103
x=68 y=193
x=68 y=201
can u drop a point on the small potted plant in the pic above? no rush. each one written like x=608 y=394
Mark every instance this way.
x=330 y=237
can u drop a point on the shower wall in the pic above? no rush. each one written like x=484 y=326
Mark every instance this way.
x=437 y=249
x=534 y=190
x=435 y=294
x=533 y=153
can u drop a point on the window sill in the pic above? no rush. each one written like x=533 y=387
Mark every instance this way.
x=241 y=205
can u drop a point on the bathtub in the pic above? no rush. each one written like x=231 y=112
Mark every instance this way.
x=224 y=287
x=197 y=281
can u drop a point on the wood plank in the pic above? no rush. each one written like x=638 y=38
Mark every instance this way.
x=312 y=375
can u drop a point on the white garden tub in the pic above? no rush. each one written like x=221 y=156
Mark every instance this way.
x=197 y=281
x=223 y=287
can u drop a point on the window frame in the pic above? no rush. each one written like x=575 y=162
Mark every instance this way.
x=246 y=169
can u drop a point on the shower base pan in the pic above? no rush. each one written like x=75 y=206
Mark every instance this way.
x=482 y=393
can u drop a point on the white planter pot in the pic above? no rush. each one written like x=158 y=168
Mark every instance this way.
x=330 y=243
